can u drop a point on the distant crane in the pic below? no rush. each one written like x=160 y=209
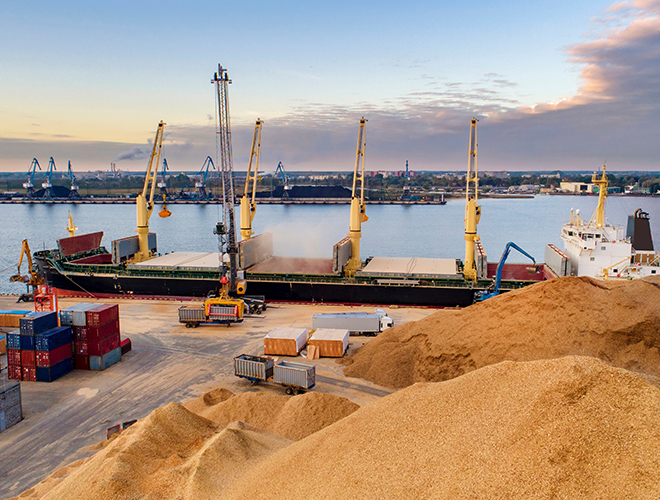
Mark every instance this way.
x=249 y=206
x=48 y=185
x=29 y=184
x=73 y=192
x=285 y=179
x=162 y=185
x=358 y=208
x=472 y=210
x=200 y=185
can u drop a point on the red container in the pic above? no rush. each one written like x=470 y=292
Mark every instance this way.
x=81 y=362
x=28 y=358
x=97 y=348
x=30 y=373
x=97 y=333
x=16 y=372
x=80 y=348
x=80 y=333
x=14 y=357
x=102 y=314
x=47 y=359
x=125 y=345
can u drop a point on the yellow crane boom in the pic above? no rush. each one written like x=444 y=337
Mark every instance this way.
x=33 y=278
x=472 y=210
x=249 y=206
x=358 y=208
x=145 y=200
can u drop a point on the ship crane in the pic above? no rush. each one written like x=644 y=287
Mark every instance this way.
x=358 y=208
x=162 y=185
x=29 y=184
x=145 y=200
x=73 y=192
x=248 y=205
x=285 y=179
x=472 y=209
x=200 y=185
x=48 y=185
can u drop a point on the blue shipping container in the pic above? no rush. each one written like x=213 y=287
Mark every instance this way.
x=38 y=322
x=27 y=342
x=14 y=340
x=99 y=363
x=54 y=372
x=54 y=338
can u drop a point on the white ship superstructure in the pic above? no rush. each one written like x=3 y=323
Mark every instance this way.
x=595 y=248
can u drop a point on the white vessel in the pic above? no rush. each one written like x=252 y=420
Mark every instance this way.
x=595 y=248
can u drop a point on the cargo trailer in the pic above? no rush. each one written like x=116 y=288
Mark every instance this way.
x=354 y=322
x=193 y=316
x=295 y=377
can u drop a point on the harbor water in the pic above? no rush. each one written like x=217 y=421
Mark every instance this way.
x=434 y=231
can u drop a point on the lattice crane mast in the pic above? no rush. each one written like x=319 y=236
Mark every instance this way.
x=226 y=230
x=162 y=185
x=248 y=204
x=29 y=184
x=472 y=210
x=358 y=208
x=48 y=185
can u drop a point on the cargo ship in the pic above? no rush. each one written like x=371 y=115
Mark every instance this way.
x=81 y=265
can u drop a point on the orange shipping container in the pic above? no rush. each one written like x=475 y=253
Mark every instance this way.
x=330 y=342
x=285 y=341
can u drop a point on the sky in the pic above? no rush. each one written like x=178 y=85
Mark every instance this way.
x=558 y=85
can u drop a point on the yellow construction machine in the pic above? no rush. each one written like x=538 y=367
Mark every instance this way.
x=32 y=279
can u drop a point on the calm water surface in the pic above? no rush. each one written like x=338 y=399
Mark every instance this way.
x=311 y=230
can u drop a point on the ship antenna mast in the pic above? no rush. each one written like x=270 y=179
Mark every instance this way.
x=226 y=230
x=472 y=210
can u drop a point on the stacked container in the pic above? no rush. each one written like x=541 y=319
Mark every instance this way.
x=54 y=353
x=96 y=336
x=11 y=411
x=22 y=359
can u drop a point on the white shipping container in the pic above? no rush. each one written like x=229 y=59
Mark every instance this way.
x=285 y=341
x=66 y=315
x=80 y=314
x=331 y=342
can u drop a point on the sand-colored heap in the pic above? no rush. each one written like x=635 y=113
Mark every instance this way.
x=177 y=453
x=293 y=418
x=573 y=428
x=616 y=321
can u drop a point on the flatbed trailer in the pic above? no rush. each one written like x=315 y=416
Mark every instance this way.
x=295 y=377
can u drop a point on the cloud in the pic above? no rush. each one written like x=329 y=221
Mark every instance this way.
x=135 y=153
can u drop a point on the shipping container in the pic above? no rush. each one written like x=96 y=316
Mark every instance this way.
x=28 y=358
x=30 y=373
x=95 y=348
x=81 y=362
x=253 y=367
x=285 y=341
x=46 y=359
x=11 y=319
x=125 y=345
x=191 y=314
x=86 y=333
x=27 y=342
x=15 y=372
x=66 y=315
x=296 y=375
x=80 y=314
x=331 y=342
x=102 y=362
x=38 y=322
x=49 y=374
x=14 y=340
x=3 y=343
x=54 y=338
x=100 y=315
x=10 y=403
x=14 y=357
x=357 y=322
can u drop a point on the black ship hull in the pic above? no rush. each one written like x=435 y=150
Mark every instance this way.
x=343 y=292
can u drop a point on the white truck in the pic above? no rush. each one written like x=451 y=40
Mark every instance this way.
x=355 y=322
